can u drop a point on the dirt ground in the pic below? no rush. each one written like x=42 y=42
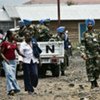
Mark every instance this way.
x=73 y=86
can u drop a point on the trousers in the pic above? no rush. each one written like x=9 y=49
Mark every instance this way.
x=10 y=73
x=30 y=76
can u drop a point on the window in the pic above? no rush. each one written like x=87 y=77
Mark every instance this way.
x=82 y=28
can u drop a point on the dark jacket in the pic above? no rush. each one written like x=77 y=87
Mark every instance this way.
x=36 y=49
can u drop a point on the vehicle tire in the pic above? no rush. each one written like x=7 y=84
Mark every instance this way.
x=42 y=71
x=55 y=70
x=17 y=69
x=2 y=72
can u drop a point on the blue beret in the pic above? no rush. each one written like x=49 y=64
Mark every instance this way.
x=21 y=23
x=41 y=21
x=27 y=22
x=61 y=29
x=48 y=20
x=90 y=21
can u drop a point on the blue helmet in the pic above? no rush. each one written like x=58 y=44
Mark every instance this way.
x=27 y=22
x=90 y=21
x=60 y=29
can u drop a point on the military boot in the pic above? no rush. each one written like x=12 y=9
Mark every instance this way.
x=62 y=73
x=92 y=84
x=96 y=84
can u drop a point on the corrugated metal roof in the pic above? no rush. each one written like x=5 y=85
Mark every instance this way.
x=12 y=2
x=11 y=11
x=74 y=12
x=37 y=12
x=80 y=12
x=4 y=16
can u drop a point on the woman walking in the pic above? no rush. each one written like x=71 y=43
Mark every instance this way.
x=29 y=64
x=8 y=48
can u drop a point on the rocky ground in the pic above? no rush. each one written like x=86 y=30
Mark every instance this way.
x=72 y=86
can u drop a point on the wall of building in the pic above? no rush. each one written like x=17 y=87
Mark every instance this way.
x=73 y=28
x=6 y=25
x=97 y=25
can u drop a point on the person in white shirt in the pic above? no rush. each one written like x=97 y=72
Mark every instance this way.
x=30 y=62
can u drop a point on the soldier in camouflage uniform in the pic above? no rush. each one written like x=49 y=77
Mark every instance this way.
x=22 y=28
x=43 y=30
x=90 y=52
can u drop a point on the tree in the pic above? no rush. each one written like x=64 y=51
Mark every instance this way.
x=70 y=2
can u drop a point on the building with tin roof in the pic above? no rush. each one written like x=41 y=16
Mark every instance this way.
x=72 y=17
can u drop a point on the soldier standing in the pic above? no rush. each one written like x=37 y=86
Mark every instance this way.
x=90 y=52
x=63 y=36
x=30 y=62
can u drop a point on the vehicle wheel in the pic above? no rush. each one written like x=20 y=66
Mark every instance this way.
x=2 y=73
x=17 y=71
x=42 y=71
x=55 y=70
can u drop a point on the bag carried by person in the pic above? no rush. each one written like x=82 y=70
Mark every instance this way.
x=36 y=49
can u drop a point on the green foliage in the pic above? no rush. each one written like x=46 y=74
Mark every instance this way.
x=70 y=2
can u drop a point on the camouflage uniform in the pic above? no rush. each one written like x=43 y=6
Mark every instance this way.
x=90 y=52
x=43 y=30
x=91 y=49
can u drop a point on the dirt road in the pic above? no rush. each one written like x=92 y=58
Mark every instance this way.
x=72 y=86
